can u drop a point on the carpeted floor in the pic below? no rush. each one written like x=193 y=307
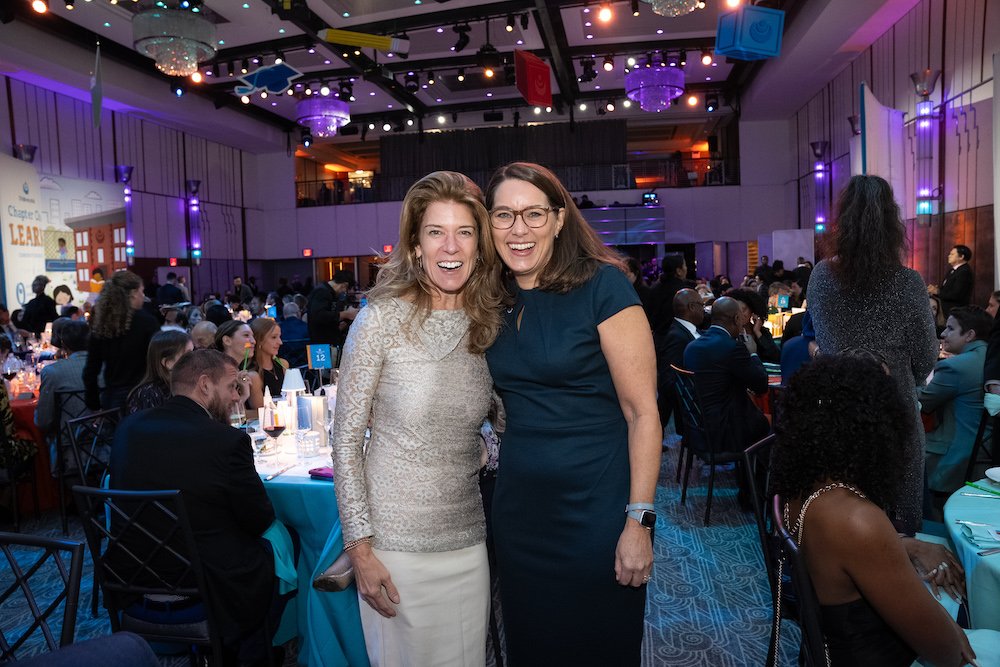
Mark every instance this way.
x=708 y=601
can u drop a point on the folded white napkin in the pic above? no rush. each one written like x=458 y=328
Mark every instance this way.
x=992 y=404
x=982 y=536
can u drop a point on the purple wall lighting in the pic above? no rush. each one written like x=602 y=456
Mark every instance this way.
x=123 y=172
x=194 y=221
x=822 y=197
x=928 y=195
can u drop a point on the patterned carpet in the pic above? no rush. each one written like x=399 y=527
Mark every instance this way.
x=708 y=601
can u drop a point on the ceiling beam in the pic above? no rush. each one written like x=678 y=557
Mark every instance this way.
x=549 y=19
x=447 y=17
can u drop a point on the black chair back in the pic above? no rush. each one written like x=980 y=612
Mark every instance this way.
x=68 y=406
x=143 y=550
x=35 y=553
x=757 y=465
x=294 y=352
x=813 y=649
x=91 y=437
x=695 y=432
x=984 y=454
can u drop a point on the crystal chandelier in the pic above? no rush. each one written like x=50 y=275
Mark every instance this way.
x=177 y=40
x=673 y=8
x=654 y=85
x=322 y=115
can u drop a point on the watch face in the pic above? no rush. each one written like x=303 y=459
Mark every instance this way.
x=648 y=519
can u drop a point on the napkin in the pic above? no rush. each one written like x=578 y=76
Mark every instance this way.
x=284 y=557
x=982 y=536
x=992 y=404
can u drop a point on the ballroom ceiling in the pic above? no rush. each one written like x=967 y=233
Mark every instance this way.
x=565 y=34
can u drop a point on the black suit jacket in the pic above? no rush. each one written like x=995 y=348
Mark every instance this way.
x=661 y=301
x=324 y=316
x=37 y=313
x=723 y=372
x=956 y=288
x=179 y=446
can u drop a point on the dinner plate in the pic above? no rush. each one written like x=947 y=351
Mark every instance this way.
x=994 y=475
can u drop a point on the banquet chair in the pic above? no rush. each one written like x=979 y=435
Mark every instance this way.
x=32 y=578
x=812 y=651
x=90 y=443
x=982 y=456
x=13 y=476
x=68 y=406
x=294 y=352
x=147 y=565
x=700 y=440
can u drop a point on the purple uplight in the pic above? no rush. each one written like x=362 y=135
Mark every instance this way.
x=925 y=192
x=820 y=219
x=924 y=124
x=819 y=166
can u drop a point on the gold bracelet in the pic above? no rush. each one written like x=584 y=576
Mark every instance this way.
x=353 y=543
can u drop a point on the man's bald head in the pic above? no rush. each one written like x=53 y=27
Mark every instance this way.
x=725 y=313
x=688 y=306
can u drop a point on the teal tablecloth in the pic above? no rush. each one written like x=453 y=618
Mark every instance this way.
x=982 y=573
x=329 y=624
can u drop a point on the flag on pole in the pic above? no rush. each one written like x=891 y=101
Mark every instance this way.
x=96 y=94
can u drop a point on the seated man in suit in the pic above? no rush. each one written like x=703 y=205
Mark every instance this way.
x=955 y=393
x=63 y=375
x=187 y=444
x=689 y=315
x=725 y=365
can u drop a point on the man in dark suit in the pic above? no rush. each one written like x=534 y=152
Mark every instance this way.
x=956 y=288
x=689 y=314
x=329 y=314
x=726 y=366
x=41 y=310
x=169 y=293
x=674 y=279
x=187 y=444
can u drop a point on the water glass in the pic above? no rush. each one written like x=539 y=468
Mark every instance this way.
x=306 y=444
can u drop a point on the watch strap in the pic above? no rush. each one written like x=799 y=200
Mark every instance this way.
x=639 y=506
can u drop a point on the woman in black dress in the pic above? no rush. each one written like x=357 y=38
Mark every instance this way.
x=165 y=349
x=575 y=367
x=265 y=360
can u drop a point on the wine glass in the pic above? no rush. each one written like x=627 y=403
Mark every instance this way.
x=237 y=415
x=11 y=367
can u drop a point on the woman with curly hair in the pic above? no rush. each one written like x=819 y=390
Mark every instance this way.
x=119 y=337
x=863 y=296
x=837 y=464
x=270 y=368
x=165 y=349
x=413 y=369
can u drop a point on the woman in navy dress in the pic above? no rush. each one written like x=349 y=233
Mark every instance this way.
x=575 y=367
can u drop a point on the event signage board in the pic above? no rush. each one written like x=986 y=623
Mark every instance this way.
x=320 y=356
x=750 y=33
x=21 y=219
x=532 y=78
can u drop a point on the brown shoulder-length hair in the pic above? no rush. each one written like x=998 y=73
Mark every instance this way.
x=578 y=252
x=868 y=237
x=402 y=275
x=261 y=327
x=113 y=309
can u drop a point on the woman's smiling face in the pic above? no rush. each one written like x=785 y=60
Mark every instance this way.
x=447 y=250
x=525 y=250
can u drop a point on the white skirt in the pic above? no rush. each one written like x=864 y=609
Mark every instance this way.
x=443 y=610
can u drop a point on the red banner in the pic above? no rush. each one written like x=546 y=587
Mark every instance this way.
x=533 y=79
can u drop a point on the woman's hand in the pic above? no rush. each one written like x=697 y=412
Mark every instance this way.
x=243 y=385
x=634 y=555
x=936 y=565
x=373 y=580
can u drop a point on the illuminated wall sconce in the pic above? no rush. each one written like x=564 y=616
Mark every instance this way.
x=123 y=174
x=925 y=130
x=194 y=220
x=822 y=183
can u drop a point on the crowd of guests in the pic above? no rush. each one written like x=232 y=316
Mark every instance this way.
x=504 y=308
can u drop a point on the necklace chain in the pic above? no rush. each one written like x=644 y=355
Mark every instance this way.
x=796 y=528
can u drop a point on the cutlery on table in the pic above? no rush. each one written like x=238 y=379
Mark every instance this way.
x=970 y=523
x=982 y=488
x=292 y=465
x=981 y=495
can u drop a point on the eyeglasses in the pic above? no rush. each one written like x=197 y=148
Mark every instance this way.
x=533 y=216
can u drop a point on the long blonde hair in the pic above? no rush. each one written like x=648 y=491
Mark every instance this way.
x=402 y=275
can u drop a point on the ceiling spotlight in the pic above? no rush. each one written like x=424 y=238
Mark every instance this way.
x=610 y=106
x=604 y=13
x=178 y=87
x=524 y=21
x=245 y=99
x=279 y=58
x=583 y=106
x=510 y=23
x=488 y=72
x=290 y=91
x=463 y=37
x=307 y=137
x=587 y=71
x=244 y=66
x=441 y=119
x=411 y=82
x=409 y=122
x=711 y=102
x=630 y=61
x=346 y=91
x=263 y=94
x=461 y=75
x=692 y=100
x=309 y=89
x=430 y=78
x=69 y=4
x=197 y=77
x=626 y=103
x=732 y=4
x=635 y=7
x=371 y=126
x=706 y=57
x=324 y=89
x=386 y=126
x=609 y=63
x=40 y=6
x=683 y=58
x=488 y=57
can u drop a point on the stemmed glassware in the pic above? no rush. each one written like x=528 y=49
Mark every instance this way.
x=237 y=415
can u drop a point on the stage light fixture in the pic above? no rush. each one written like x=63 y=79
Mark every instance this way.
x=307 y=137
x=197 y=77
x=371 y=126
x=706 y=57
x=510 y=23
x=430 y=78
x=609 y=63
x=309 y=90
x=463 y=37
x=630 y=61
x=604 y=14
x=524 y=21
x=346 y=91
x=40 y=6
x=587 y=71
x=69 y=5
x=409 y=122
x=627 y=103
x=692 y=100
x=279 y=58
x=461 y=75
x=324 y=89
x=178 y=87
x=635 y=7
x=711 y=102
x=583 y=106
x=441 y=119
x=610 y=106
x=245 y=99
x=244 y=66
x=683 y=58
x=411 y=82
x=386 y=126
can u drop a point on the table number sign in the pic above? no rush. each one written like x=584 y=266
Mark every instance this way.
x=320 y=356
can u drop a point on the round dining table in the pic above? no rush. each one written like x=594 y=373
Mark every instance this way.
x=982 y=572
x=23 y=409
x=328 y=625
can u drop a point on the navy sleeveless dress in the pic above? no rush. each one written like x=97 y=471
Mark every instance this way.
x=563 y=481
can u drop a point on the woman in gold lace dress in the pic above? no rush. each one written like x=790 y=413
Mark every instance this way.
x=414 y=369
